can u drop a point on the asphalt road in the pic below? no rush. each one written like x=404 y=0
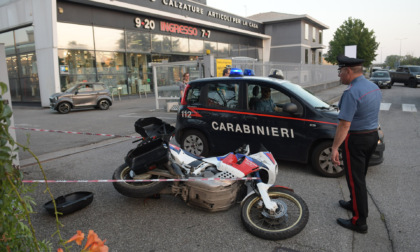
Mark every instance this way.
x=168 y=224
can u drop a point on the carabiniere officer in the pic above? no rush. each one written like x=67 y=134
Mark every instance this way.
x=357 y=136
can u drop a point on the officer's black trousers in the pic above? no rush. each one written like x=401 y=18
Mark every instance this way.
x=357 y=150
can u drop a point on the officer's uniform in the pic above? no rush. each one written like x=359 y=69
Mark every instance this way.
x=359 y=104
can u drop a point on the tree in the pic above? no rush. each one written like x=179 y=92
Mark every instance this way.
x=353 y=32
x=392 y=61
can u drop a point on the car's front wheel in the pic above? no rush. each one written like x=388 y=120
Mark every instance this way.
x=321 y=161
x=64 y=108
x=195 y=142
x=104 y=104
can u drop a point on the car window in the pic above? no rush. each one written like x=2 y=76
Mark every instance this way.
x=98 y=87
x=193 y=95
x=265 y=99
x=85 y=88
x=380 y=74
x=415 y=69
x=223 y=95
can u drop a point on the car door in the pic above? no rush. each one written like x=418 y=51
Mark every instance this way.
x=222 y=114
x=279 y=131
x=85 y=95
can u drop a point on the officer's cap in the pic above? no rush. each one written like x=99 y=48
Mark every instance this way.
x=344 y=61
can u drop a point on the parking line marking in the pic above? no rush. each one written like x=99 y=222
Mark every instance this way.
x=409 y=108
x=385 y=106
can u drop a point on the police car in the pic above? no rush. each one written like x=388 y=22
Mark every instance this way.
x=217 y=115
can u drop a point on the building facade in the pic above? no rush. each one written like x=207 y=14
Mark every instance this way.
x=294 y=38
x=53 y=44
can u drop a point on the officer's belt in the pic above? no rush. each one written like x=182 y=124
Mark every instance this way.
x=362 y=131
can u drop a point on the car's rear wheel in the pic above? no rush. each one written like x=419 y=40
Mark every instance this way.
x=104 y=104
x=64 y=108
x=195 y=142
x=321 y=161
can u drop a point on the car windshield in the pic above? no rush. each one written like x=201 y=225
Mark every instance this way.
x=380 y=74
x=415 y=69
x=305 y=95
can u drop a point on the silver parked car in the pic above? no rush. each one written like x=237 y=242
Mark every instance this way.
x=82 y=95
x=382 y=79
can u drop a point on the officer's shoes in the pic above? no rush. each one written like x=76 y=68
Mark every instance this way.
x=349 y=225
x=346 y=205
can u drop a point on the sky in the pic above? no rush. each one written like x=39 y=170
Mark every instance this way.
x=396 y=24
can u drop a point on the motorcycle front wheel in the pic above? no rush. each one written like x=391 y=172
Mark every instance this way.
x=136 y=189
x=290 y=218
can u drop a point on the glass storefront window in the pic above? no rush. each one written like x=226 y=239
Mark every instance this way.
x=252 y=52
x=223 y=49
x=30 y=89
x=11 y=63
x=25 y=41
x=137 y=73
x=9 y=42
x=196 y=46
x=107 y=39
x=138 y=41
x=180 y=45
x=161 y=43
x=212 y=46
x=234 y=50
x=28 y=66
x=72 y=36
x=76 y=66
x=111 y=70
x=243 y=51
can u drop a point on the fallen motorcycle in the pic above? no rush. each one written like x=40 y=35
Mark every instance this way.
x=213 y=184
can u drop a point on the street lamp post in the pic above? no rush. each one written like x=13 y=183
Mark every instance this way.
x=400 y=39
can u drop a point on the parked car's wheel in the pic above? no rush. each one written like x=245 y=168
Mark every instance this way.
x=195 y=142
x=104 y=104
x=64 y=108
x=321 y=161
x=389 y=86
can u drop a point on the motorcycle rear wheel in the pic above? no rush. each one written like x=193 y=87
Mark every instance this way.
x=291 y=218
x=136 y=189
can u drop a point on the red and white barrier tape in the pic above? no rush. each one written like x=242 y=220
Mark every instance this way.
x=136 y=180
x=74 y=132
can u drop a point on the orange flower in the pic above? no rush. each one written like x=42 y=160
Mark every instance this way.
x=77 y=237
x=99 y=247
x=92 y=238
x=60 y=250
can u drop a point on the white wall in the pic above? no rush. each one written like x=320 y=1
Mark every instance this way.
x=45 y=30
x=42 y=14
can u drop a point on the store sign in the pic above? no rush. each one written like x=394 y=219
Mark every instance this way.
x=180 y=29
x=183 y=29
x=196 y=9
x=145 y=23
x=150 y=24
